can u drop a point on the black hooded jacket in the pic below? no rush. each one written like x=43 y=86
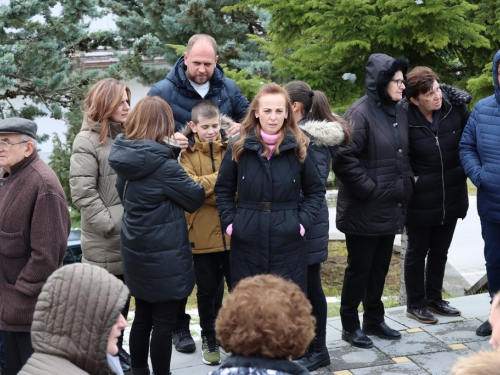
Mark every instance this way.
x=374 y=169
x=155 y=191
x=266 y=222
x=440 y=193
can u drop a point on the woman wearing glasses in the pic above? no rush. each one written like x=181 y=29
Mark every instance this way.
x=376 y=184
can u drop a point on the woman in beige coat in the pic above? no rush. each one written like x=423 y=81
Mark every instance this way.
x=92 y=180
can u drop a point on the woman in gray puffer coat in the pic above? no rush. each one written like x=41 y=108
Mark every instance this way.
x=312 y=113
x=92 y=180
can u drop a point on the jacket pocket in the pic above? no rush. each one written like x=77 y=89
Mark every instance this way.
x=12 y=244
x=20 y=309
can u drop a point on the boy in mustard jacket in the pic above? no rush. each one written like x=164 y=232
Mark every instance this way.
x=201 y=160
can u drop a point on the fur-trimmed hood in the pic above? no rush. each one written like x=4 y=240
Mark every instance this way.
x=325 y=133
x=225 y=124
x=380 y=69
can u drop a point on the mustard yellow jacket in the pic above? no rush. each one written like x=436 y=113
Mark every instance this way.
x=201 y=161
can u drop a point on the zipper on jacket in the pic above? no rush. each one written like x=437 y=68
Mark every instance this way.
x=212 y=155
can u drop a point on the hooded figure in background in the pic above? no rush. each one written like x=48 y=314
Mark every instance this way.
x=76 y=323
x=375 y=187
x=480 y=157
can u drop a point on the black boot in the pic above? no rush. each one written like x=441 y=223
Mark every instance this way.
x=317 y=354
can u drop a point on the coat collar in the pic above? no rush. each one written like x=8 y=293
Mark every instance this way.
x=283 y=365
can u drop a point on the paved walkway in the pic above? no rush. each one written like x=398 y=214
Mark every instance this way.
x=423 y=349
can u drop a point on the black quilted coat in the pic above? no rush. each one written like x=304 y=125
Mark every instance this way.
x=156 y=256
x=440 y=193
x=266 y=222
x=374 y=169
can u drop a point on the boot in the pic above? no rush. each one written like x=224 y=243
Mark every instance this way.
x=140 y=371
x=317 y=354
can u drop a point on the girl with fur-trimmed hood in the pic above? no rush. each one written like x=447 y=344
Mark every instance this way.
x=376 y=185
x=312 y=113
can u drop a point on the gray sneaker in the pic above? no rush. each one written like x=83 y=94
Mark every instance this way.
x=183 y=342
x=210 y=352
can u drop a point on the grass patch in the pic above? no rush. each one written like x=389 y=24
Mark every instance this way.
x=332 y=277
x=471 y=188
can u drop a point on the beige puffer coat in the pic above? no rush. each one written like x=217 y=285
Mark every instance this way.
x=73 y=318
x=93 y=191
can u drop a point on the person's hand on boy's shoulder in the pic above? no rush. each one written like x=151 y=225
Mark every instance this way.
x=233 y=130
x=181 y=140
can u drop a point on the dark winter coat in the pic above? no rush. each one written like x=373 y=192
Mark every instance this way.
x=178 y=92
x=480 y=151
x=237 y=365
x=440 y=193
x=155 y=191
x=374 y=169
x=326 y=136
x=266 y=224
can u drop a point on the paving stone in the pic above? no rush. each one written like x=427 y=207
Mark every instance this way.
x=479 y=345
x=345 y=356
x=333 y=334
x=472 y=306
x=408 y=368
x=394 y=324
x=401 y=359
x=191 y=364
x=322 y=371
x=457 y=346
x=409 y=344
x=439 y=363
x=344 y=372
x=414 y=330
x=454 y=333
x=337 y=324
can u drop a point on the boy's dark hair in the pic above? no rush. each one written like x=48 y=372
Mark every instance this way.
x=205 y=109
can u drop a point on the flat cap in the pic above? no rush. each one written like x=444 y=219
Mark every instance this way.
x=17 y=125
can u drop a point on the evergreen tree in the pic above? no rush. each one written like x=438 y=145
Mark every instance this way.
x=320 y=40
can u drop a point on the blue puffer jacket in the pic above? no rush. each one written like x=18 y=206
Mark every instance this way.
x=326 y=137
x=480 y=151
x=178 y=92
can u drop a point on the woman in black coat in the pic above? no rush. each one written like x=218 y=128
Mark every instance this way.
x=267 y=168
x=376 y=184
x=312 y=112
x=157 y=260
x=437 y=115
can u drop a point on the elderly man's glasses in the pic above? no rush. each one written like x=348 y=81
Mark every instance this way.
x=6 y=145
x=399 y=82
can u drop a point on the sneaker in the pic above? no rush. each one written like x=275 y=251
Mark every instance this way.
x=443 y=308
x=421 y=314
x=183 y=341
x=484 y=329
x=210 y=350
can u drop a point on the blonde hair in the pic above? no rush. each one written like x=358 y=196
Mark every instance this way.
x=482 y=363
x=266 y=316
x=151 y=118
x=251 y=122
x=101 y=101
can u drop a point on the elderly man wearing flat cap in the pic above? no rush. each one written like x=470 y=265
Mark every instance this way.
x=34 y=228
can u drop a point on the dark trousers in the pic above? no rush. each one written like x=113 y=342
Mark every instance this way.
x=18 y=349
x=316 y=296
x=491 y=236
x=368 y=260
x=210 y=270
x=2 y=357
x=124 y=312
x=424 y=281
x=157 y=317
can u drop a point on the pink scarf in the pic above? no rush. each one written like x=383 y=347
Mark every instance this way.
x=270 y=140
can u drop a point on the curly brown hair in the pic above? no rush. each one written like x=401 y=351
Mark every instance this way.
x=266 y=316
x=251 y=122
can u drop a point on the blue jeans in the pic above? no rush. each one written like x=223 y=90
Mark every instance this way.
x=491 y=236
